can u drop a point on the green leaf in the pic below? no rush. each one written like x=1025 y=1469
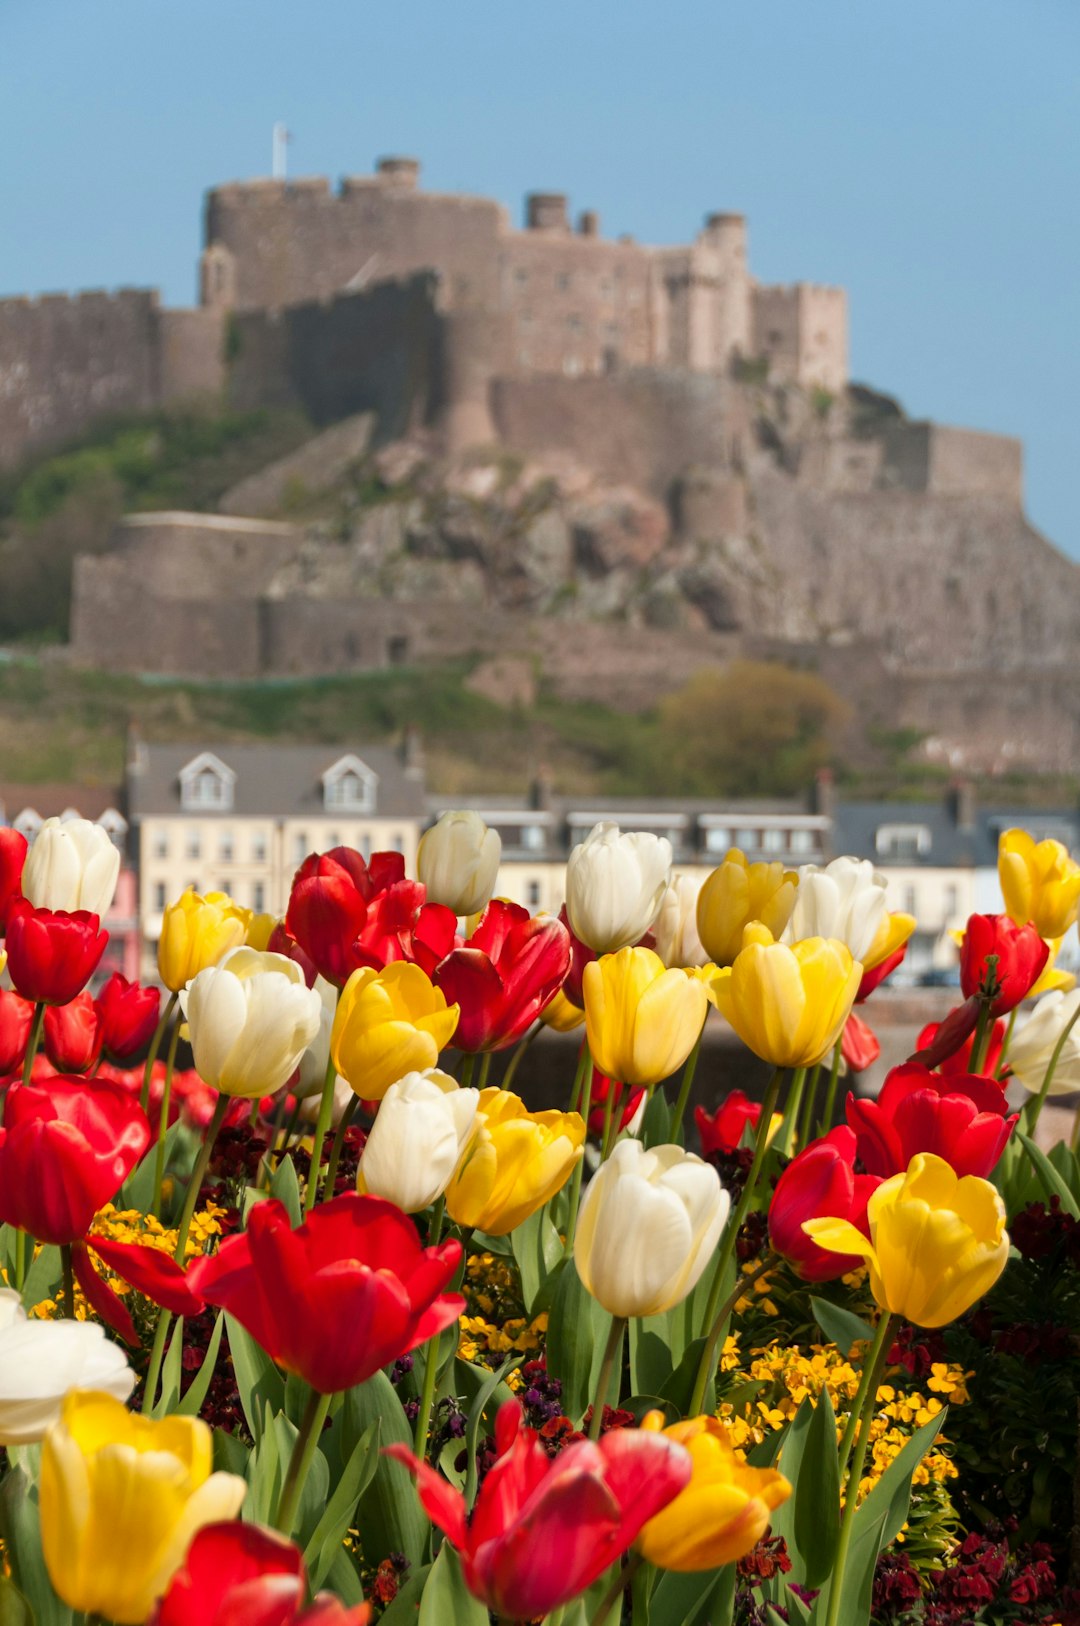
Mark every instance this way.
x=191 y=1403
x=14 y=1609
x=656 y=1124
x=572 y=1340
x=286 y=1188
x=817 y=1494
x=265 y=1472
x=792 y=1454
x=841 y=1327
x=1049 y=1178
x=650 y=1353
x=257 y=1378
x=342 y=1579
x=537 y=1250
x=484 y=1396
x=446 y=1597
x=406 y=1606
x=138 y=1190
x=170 y=1371
x=21 y=1533
x=389 y=1515
x=329 y=1533
x=693 y=1599
x=230 y=1454
x=43 y=1277
x=858 y=1583
x=679 y=1387
x=891 y=1496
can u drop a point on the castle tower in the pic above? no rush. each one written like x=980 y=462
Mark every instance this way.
x=471 y=351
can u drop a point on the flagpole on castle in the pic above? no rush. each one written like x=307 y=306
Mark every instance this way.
x=281 y=141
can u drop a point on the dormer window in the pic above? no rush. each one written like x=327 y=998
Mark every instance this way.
x=206 y=785
x=903 y=843
x=349 y=787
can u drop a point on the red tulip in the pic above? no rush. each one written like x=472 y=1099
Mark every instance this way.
x=936 y=1034
x=129 y=1015
x=16 y=1020
x=52 y=955
x=623 y=1108
x=510 y=968
x=345 y=914
x=544 y=1529
x=72 y=1035
x=66 y=1147
x=949 y=1037
x=13 y=849
x=242 y=1575
x=960 y=1118
x=333 y=1301
x=281 y=941
x=581 y=955
x=876 y=975
x=1021 y=956
x=820 y=1183
x=723 y=1131
x=859 y=1044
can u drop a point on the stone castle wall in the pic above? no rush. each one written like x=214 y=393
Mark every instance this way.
x=68 y=361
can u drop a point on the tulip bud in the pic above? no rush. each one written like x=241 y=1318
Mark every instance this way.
x=12 y=858
x=197 y=932
x=71 y=865
x=52 y=955
x=72 y=1035
x=121 y=1497
x=614 y=886
x=251 y=1019
x=820 y=1181
x=937 y=1241
x=789 y=1004
x=675 y=930
x=1021 y=957
x=1032 y=1047
x=516 y=1163
x=457 y=862
x=421 y=1131
x=40 y=1361
x=16 y=1020
x=129 y=1014
x=642 y=1021
x=844 y=901
x=389 y=1023
x=648 y=1225
x=737 y=893
x=1039 y=881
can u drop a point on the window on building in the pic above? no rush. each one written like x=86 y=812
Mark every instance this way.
x=258 y=897
x=300 y=846
x=532 y=837
x=747 y=840
x=398 y=843
x=533 y=893
x=363 y=842
x=258 y=847
x=952 y=901
x=225 y=886
x=903 y=843
x=772 y=841
x=193 y=844
x=333 y=839
x=909 y=901
x=160 y=898
x=225 y=846
x=207 y=782
x=161 y=844
x=803 y=841
x=717 y=838
x=349 y=785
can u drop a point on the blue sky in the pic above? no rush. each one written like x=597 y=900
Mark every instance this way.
x=924 y=153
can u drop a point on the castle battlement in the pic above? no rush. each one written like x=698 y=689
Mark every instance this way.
x=82 y=299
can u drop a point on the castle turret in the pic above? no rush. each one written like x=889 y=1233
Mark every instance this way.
x=546 y=211
x=394 y=171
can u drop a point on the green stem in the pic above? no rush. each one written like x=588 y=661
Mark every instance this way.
x=684 y=1088
x=731 y=1232
x=585 y=1071
x=163 y=1121
x=584 y=1060
x=609 y=1118
x=69 y=1280
x=617 y=1588
x=326 y=1109
x=468 y=1064
x=603 y=1387
x=191 y=1197
x=806 y=1122
x=718 y=1325
x=855 y=1413
x=876 y=1361
x=521 y=1048
x=791 y=1110
x=303 y=1455
x=982 y=1034
x=431 y=1351
x=152 y=1053
x=1003 y=1058
x=1034 y=1108
x=34 y=1040
x=825 y=1121
x=472 y=1432
x=339 y=1144
x=485 y=1069
x=22 y=1242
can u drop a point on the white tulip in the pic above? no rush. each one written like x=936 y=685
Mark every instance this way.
x=845 y=900
x=71 y=865
x=649 y=1224
x=458 y=860
x=614 y=886
x=1032 y=1046
x=251 y=1018
x=316 y=1058
x=675 y=927
x=422 y=1130
x=344 y=1096
x=40 y=1361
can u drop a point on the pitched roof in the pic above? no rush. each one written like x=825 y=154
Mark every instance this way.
x=284 y=781
x=50 y=800
x=951 y=846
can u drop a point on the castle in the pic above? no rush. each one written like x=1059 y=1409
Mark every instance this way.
x=545 y=301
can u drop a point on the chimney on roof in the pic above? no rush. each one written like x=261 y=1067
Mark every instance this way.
x=412 y=751
x=403 y=172
x=588 y=223
x=823 y=795
x=961 y=802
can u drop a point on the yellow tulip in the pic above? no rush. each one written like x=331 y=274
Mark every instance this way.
x=389 y=1023
x=562 y=1014
x=121 y=1497
x=722 y=1513
x=197 y=932
x=788 y=1003
x=260 y=929
x=892 y=934
x=1041 y=883
x=1052 y=979
x=737 y=893
x=937 y=1241
x=517 y=1162
x=642 y=1020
